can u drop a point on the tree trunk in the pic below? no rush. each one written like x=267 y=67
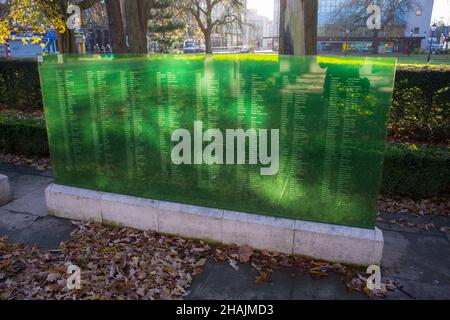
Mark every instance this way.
x=298 y=27
x=66 y=42
x=136 y=15
x=208 y=45
x=116 y=26
x=376 y=41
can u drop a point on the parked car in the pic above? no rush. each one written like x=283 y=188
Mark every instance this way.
x=191 y=47
x=245 y=49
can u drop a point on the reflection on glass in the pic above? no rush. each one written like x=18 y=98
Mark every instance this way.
x=111 y=119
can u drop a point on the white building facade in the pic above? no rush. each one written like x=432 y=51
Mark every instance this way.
x=259 y=31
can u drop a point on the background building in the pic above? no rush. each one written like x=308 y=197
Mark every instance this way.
x=276 y=18
x=419 y=21
x=404 y=29
x=227 y=37
x=405 y=26
x=258 y=31
x=276 y=24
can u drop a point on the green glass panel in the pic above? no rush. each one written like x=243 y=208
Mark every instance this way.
x=111 y=119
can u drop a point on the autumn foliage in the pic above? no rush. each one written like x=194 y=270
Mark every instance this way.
x=30 y=19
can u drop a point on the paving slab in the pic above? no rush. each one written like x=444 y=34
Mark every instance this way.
x=9 y=174
x=405 y=218
x=441 y=221
x=221 y=281
x=22 y=185
x=13 y=222
x=419 y=262
x=45 y=232
x=331 y=288
x=200 y=281
x=47 y=173
x=428 y=291
x=5 y=190
x=9 y=169
x=32 y=203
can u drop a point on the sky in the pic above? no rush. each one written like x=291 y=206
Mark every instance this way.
x=264 y=7
x=441 y=9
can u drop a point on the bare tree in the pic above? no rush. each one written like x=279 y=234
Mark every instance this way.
x=298 y=27
x=212 y=16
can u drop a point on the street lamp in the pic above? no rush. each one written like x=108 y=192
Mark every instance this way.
x=411 y=32
x=348 y=41
x=433 y=29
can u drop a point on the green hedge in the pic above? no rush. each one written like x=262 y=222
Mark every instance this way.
x=408 y=170
x=19 y=84
x=421 y=104
x=23 y=136
x=416 y=172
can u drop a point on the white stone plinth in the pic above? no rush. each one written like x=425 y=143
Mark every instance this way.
x=318 y=240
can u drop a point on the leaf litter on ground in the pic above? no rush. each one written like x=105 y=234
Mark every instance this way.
x=439 y=205
x=121 y=263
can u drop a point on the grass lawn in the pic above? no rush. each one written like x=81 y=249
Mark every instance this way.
x=415 y=59
x=422 y=59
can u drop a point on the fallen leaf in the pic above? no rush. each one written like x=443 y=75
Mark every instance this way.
x=233 y=264
x=201 y=262
x=245 y=253
x=52 y=277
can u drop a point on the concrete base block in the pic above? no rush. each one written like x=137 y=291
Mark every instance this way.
x=317 y=240
x=190 y=221
x=257 y=231
x=73 y=203
x=5 y=190
x=133 y=212
x=338 y=243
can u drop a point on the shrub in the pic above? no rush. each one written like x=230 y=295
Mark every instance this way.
x=416 y=172
x=19 y=84
x=421 y=104
x=23 y=136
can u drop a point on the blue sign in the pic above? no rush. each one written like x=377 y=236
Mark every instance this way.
x=50 y=35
